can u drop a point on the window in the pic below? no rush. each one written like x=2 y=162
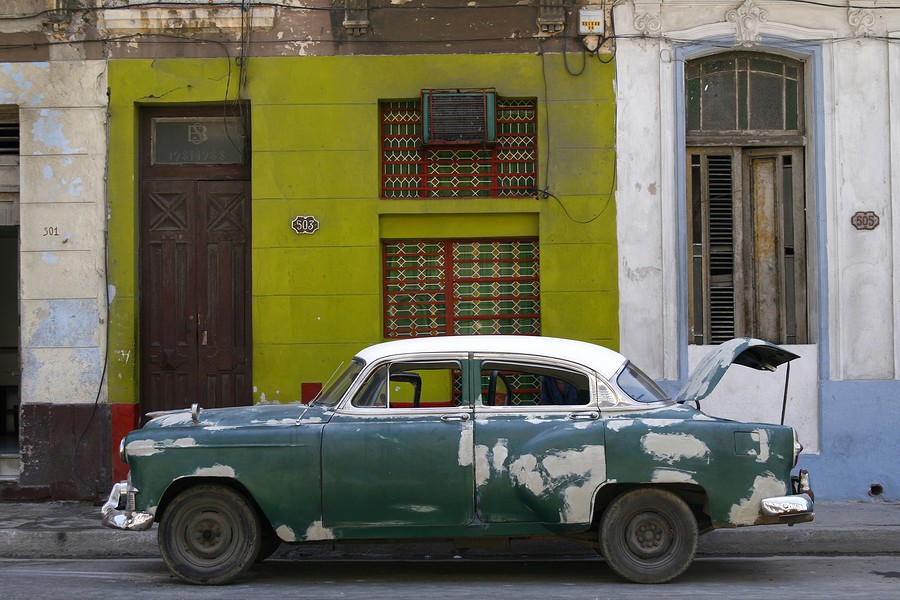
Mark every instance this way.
x=452 y=163
x=9 y=165
x=747 y=273
x=517 y=384
x=411 y=385
x=459 y=287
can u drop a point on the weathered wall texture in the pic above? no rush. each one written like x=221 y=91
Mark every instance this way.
x=851 y=62
x=62 y=115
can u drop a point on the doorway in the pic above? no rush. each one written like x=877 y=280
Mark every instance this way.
x=195 y=310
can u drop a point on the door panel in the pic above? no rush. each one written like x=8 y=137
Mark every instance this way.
x=225 y=305
x=168 y=296
x=539 y=456
x=401 y=454
x=195 y=321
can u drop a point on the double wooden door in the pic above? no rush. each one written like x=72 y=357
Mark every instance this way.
x=195 y=294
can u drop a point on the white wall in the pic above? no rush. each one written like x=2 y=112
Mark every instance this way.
x=853 y=165
x=62 y=114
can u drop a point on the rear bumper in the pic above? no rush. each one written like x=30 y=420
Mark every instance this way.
x=799 y=507
x=118 y=511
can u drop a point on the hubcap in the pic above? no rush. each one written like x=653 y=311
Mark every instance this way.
x=207 y=535
x=648 y=535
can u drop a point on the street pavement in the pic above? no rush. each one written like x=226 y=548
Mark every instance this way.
x=73 y=530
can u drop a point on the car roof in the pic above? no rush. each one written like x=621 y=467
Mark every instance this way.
x=604 y=361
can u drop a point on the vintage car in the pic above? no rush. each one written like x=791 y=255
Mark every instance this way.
x=503 y=437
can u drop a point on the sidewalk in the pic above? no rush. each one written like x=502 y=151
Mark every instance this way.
x=73 y=530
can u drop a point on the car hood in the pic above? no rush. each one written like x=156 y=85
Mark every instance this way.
x=230 y=418
x=750 y=352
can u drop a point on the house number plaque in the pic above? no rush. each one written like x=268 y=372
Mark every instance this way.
x=302 y=225
x=865 y=220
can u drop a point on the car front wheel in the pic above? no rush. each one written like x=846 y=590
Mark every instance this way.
x=648 y=535
x=209 y=534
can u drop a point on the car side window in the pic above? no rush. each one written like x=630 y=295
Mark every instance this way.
x=517 y=384
x=411 y=385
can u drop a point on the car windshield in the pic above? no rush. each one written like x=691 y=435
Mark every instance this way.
x=334 y=391
x=639 y=386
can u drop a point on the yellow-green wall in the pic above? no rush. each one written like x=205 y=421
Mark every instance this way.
x=315 y=151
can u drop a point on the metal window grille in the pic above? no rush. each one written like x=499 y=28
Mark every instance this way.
x=460 y=287
x=410 y=169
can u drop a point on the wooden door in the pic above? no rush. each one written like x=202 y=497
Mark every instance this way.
x=195 y=294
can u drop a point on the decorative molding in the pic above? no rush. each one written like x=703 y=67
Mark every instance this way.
x=747 y=18
x=861 y=20
x=647 y=24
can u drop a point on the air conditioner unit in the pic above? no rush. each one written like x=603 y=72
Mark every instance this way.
x=459 y=116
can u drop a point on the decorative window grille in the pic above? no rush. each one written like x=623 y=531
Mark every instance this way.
x=460 y=287
x=504 y=168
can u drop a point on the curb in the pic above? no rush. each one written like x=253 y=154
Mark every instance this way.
x=775 y=540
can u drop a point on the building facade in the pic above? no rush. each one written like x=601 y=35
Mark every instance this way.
x=288 y=183
x=219 y=202
x=757 y=176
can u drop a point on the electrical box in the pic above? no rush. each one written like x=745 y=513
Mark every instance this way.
x=591 y=20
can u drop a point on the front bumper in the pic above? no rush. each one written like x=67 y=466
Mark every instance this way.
x=796 y=508
x=119 y=513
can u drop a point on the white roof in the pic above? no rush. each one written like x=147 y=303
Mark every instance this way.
x=604 y=361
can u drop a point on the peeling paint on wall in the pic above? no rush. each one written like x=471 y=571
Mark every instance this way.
x=49 y=131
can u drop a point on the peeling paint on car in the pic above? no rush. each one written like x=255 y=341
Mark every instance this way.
x=523 y=471
x=672 y=475
x=286 y=534
x=587 y=469
x=619 y=424
x=763 y=438
x=482 y=465
x=747 y=511
x=673 y=447
x=466 y=450
x=217 y=470
x=499 y=454
x=142 y=448
x=316 y=531
x=581 y=472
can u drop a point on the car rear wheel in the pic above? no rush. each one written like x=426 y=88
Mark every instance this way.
x=648 y=535
x=209 y=534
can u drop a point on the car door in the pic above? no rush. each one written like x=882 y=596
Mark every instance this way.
x=398 y=453
x=539 y=442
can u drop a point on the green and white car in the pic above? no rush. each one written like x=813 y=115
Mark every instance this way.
x=508 y=437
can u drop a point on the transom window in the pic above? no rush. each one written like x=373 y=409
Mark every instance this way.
x=748 y=272
x=459 y=287
x=502 y=164
x=744 y=92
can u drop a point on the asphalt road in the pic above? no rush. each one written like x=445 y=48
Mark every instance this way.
x=871 y=577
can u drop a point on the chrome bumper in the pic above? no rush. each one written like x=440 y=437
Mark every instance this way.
x=795 y=508
x=119 y=513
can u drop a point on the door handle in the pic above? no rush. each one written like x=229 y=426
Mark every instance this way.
x=203 y=338
x=455 y=418
x=588 y=416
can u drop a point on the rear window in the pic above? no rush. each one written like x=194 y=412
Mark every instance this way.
x=639 y=386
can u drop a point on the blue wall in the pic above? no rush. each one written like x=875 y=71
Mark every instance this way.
x=859 y=440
